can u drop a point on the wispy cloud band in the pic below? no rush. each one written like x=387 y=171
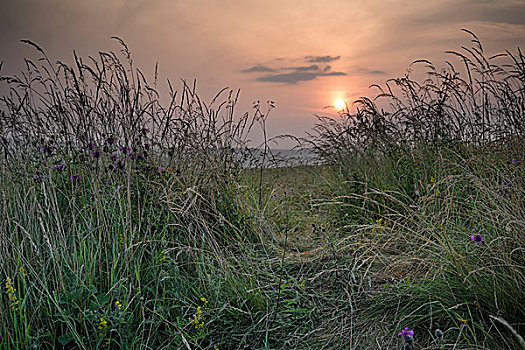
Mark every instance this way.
x=296 y=77
x=296 y=74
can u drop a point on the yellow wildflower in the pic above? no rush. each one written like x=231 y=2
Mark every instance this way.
x=197 y=319
x=303 y=284
x=11 y=293
x=379 y=225
x=103 y=323
x=23 y=272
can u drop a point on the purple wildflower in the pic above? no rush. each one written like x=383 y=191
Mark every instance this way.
x=146 y=145
x=145 y=131
x=110 y=140
x=59 y=167
x=37 y=178
x=477 y=238
x=48 y=149
x=505 y=186
x=75 y=177
x=137 y=156
x=406 y=332
x=96 y=154
x=160 y=169
x=114 y=158
x=90 y=146
x=124 y=149
x=120 y=165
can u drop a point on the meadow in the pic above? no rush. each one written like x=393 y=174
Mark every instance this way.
x=129 y=223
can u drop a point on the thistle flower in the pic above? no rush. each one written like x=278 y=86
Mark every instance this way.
x=406 y=332
x=110 y=140
x=137 y=156
x=48 y=149
x=477 y=238
x=59 y=167
x=90 y=146
x=96 y=154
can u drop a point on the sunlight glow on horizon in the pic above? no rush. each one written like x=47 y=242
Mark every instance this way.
x=340 y=104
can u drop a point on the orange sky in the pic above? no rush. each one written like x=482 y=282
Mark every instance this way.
x=301 y=54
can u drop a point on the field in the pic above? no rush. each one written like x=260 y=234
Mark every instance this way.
x=126 y=223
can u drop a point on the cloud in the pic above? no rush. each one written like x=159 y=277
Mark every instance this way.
x=324 y=59
x=362 y=70
x=373 y=71
x=289 y=74
x=295 y=77
x=313 y=67
x=258 y=69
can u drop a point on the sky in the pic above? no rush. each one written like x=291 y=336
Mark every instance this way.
x=301 y=54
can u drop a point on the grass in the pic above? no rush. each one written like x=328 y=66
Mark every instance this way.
x=165 y=240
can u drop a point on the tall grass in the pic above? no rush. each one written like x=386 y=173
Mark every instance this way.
x=123 y=225
x=420 y=179
x=129 y=223
x=480 y=103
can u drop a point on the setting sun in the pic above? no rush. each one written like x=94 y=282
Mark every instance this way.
x=339 y=104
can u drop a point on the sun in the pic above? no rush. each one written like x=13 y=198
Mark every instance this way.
x=340 y=104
